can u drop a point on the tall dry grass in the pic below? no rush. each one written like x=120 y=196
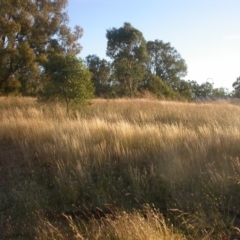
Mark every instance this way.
x=181 y=156
x=134 y=226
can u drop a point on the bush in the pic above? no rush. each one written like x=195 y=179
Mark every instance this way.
x=67 y=80
x=161 y=89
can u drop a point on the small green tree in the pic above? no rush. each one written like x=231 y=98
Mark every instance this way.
x=67 y=80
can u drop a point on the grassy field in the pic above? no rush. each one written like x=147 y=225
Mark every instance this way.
x=119 y=169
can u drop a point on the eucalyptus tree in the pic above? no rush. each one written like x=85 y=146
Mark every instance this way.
x=31 y=31
x=166 y=62
x=126 y=46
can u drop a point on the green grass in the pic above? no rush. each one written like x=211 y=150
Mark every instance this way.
x=182 y=159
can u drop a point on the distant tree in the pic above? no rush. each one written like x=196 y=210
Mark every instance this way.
x=67 y=80
x=185 y=90
x=126 y=46
x=236 y=86
x=101 y=74
x=30 y=32
x=201 y=91
x=220 y=92
x=165 y=62
x=195 y=88
x=206 y=89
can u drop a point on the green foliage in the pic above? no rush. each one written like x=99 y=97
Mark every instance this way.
x=31 y=31
x=236 y=86
x=196 y=89
x=130 y=78
x=127 y=47
x=202 y=91
x=101 y=74
x=220 y=92
x=161 y=89
x=165 y=62
x=11 y=87
x=185 y=90
x=207 y=89
x=67 y=80
x=126 y=42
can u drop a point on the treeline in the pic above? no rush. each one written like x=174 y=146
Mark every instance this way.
x=138 y=66
x=38 y=56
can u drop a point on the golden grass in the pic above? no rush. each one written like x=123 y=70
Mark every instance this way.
x=131 y=152
x=125 y=226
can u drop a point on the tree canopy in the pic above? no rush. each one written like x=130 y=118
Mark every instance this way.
x=30 y=32
x=236 y=86
x=166 y=62
x=101 y=74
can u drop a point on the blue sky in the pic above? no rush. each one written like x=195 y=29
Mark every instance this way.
x=205 y=32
